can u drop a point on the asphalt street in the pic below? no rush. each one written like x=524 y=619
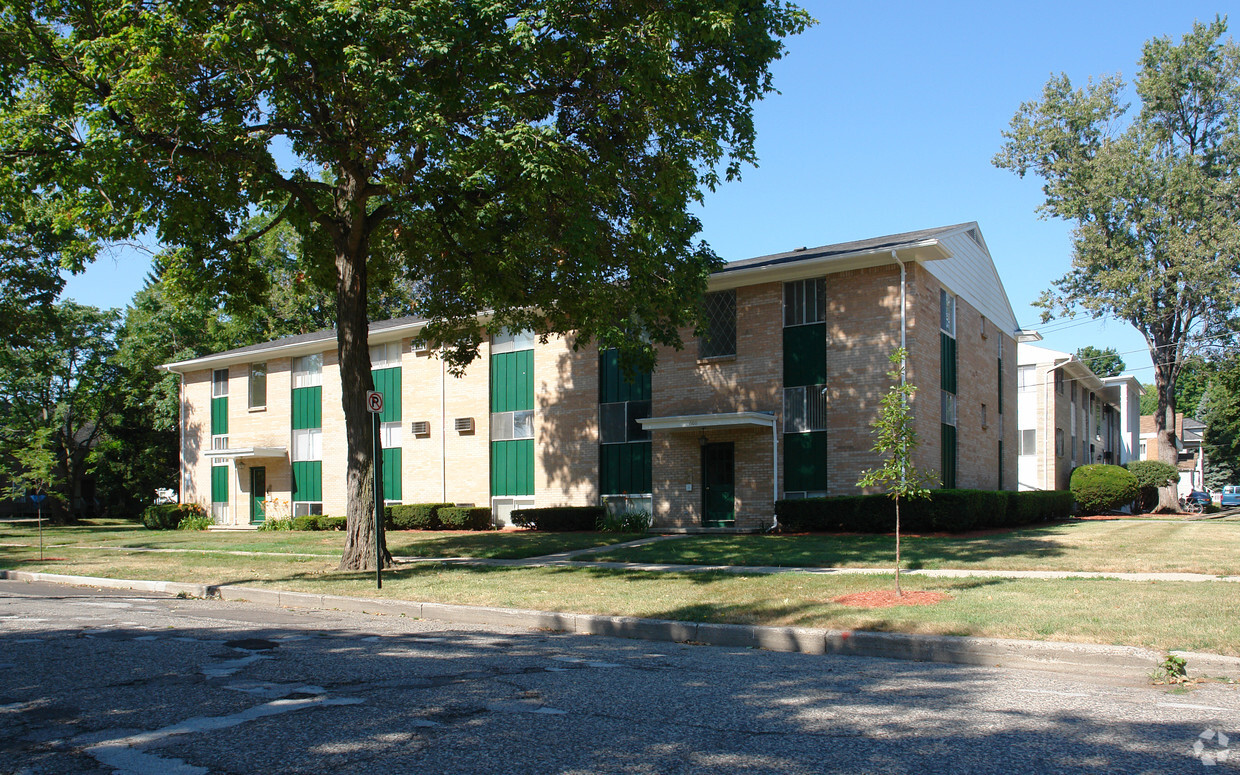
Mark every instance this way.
x=100 y=681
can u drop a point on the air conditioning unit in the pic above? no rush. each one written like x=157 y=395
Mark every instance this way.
x=420 y=428
x=464 y=425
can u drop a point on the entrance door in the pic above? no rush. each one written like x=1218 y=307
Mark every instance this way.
x=718 y=485
x=258 y=493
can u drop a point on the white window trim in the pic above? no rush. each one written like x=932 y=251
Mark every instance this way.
x=507 y=341
x=947 y=303
x=309 y=450
x=386 y=355
x=250 y=387
x=219 y=388
x=308 y=371
x=811 y=401
x=504 y=425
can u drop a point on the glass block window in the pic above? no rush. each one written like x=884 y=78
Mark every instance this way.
x=805 y=301
x=308 y=371
x=719 y=337
x=258 y=385
x=805 y=409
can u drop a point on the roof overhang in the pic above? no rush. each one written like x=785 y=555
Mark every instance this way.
x=720 y=420
x=239 y=452
x=782 y=270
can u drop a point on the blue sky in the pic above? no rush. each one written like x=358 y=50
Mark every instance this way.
x=888 y=116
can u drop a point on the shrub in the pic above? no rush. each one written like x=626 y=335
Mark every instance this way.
x=630 y=521
x=276 y=524
x=306 y=522
x=1032 y=506
x=951 y=511
x=333 y=523
x=194 y=522
x=168 y=516
x=465 y=517
x=414 y=516
x=1099 y=487
x=1152 y=474
x=559 y=519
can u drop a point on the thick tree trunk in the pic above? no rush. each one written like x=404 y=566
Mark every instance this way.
x=355 y=379
x=1165 y=372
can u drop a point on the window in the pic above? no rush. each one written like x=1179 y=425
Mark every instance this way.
x=805 y=409
x=1024 y=378
x=389 y=433
x=985 y=419
x=1059 y=442
x=1028 y=441
x=258 y=385
x=506 y=426
x=508 y=341
x=805 y=301
x=219 y=383
x=1059 y=381
x=1074 y=392
x=947 y=312
x=618 y=422
x=308 y=444
x=948 y=408
x=219 y=441
x=385 y=356
x=308 y=371
x=307 y=508
x=719 y=337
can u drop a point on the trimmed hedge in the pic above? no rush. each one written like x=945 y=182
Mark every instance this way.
x=1099 y=487
x=560 y=519
x=414 y=516
x=945 y=511
x=317 y=522
x=167 y=516
x=465 y=517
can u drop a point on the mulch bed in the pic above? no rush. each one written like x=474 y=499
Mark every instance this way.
x=889 y=599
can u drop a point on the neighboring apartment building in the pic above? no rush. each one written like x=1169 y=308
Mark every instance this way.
x=775 y=400
x=1189 y=435
x=1070 y=417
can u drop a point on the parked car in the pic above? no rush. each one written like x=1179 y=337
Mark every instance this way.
x=1230 y=496
x=1195 y=502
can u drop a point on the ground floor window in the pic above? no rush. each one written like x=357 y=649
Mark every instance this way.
x=618 y=504
x=502 y=508
x=219 y=493
x=307 y=508
x=797 y=495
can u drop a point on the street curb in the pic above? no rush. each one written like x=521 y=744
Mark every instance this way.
x=1080 y=659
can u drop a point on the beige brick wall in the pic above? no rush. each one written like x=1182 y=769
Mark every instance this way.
x=196 y=438
x=566 y=450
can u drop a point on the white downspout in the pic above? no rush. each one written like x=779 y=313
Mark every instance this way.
x=182 y=485
x=443 y=428
x=903 y=314
x=774 y=475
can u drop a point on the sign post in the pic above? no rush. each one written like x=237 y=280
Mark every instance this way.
x=374 y=405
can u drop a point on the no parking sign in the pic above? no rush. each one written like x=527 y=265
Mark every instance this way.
x=374 y=401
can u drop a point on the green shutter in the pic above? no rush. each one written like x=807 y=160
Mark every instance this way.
x=948 y=452
x=616 y=384
x=805 y=461
x=307 y=408
x=391 y=473
x=387 y=382
x=219 y=483
x=1000 y=465
x=625 y=468
x=947 y=362
x=219 y=416
x=805 y=355
x=512 y=381
x=1000 y=387
x=512 y=467
x=308 y=479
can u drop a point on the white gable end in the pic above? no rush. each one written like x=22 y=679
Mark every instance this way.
x=970 y=274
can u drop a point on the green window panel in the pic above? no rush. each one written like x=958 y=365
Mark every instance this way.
x=1000 y=386
x=512 y=467
x=625 y=468
x=512 y=381
x=387 y=382
x=391 y=474
x=1000 y=465
x=947 y=362
x=615 y=384
x=308 y=480
x=948 y=452
x=805 y=355
x=219 y=416
x=805 y=461
x=219 y=484
x=307 y=408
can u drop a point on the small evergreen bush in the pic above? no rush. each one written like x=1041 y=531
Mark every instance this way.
x=168 y=516
x=1098 y=487
x=559 y=519
x=465 y=518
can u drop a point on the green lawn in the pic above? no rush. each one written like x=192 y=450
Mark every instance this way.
x=1211 y=547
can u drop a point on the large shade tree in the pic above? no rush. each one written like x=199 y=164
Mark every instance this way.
x=532 y=161
x=1153 y=194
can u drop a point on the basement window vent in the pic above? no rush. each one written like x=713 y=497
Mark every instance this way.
x=420 y=428
x=464 y=425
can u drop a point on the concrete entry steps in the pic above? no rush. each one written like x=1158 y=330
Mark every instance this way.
x=1125 y=663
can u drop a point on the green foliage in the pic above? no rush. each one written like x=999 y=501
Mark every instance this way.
x=1173 y=669
x=169 y=516
x=560 y=518
x=310 y=522
x=1220 y=411
x=1151 y=195
x=414 y=516
x=276 y=524
x=1150 y=475
x=194 y=522
x=465 y=518
x=1105 y=362
x=631 y=521
x=464 y=149
x=946 y=511
x=1098 y=487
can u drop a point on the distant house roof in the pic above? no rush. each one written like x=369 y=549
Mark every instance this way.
x=1188 y=429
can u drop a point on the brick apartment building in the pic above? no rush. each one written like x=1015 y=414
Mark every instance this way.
x=775 y=400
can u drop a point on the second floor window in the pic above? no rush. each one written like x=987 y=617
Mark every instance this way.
x=308 y=371
x=258 y=385
x=719 y=337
